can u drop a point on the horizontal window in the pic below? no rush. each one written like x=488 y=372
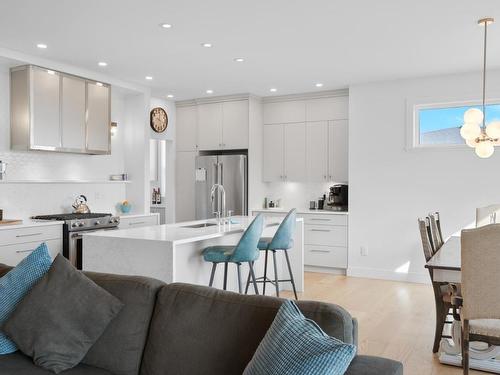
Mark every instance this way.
x=440 y=126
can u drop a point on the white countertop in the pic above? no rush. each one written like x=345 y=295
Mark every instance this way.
x=179 y=234
x=31 y=223
x=281 y=210
x=135 y=216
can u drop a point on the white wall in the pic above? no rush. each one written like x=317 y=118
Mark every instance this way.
x=391 y=187
x=168 y=191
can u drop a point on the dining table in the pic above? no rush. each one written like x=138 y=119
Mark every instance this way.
x=445 y=266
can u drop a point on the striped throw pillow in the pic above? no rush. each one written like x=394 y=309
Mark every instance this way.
x=296 y=345
x=16 y=283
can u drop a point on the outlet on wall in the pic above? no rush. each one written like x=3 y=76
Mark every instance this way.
x=363 y=251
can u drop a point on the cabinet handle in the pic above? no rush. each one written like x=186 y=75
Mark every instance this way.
x=319 y=230
x=316 y=219
x=137 y=223
x=24 y=251
x=28 y=235
x=319 y=251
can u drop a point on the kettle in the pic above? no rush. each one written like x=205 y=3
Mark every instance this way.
x=80 y=205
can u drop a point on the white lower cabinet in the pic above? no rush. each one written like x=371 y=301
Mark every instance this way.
x=325 y=238
x=136 y=221
x=17 y=243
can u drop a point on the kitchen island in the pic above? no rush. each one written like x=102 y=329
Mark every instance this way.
x=173 y=252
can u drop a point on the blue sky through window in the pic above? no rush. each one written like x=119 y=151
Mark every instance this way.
x=441 y=125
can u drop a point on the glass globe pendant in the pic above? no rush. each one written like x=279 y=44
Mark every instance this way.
x=474 y=130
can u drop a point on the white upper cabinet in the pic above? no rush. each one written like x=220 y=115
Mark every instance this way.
x=272 y=168
x=339 y=150
x=235 y=124
x=317 y=151
x=295 y=152
x=98 y=118
x=73 y=113
x=54 y=111
x=334 y=108
x=284 y=112
x=186 y=135
x=223 y=125
x=46 y=127
x=210 y=126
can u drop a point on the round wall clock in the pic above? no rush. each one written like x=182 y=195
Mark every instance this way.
x=158 y=119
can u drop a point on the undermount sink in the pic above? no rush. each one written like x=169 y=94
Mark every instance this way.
x=202 y=225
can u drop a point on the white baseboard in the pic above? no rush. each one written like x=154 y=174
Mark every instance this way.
x=332 y=271
x=376 y=273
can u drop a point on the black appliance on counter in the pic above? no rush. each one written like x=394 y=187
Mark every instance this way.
x=337 y=198
x=75 y=225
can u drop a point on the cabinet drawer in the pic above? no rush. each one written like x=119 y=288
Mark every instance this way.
x=325 y=256
x=326 y=235
x=31 y=234
x=138 y=221
x=325 y=219
x=13 y=254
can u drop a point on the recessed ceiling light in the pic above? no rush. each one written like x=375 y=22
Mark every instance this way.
x=206 y=45
x=166 y=25
x=239 y=59
x=210 y=91
x=102 y=63
x=170 y=96
x=273 y=90
x=41 y=45
x=51 y=72
x=99 y=84
x=319 y=85
x=149 y=78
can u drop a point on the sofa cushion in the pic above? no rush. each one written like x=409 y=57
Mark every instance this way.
x=296 y=345
x=217 y=332
x=15 y=284
x=369 y=365
x=19 y=364
x=61 y=317
x=120 y=348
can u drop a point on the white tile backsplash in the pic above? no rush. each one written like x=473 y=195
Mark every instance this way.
x=296 y=194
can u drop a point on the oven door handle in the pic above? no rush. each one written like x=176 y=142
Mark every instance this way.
x=79 y=235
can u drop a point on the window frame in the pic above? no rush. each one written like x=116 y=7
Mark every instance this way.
x=414 y=106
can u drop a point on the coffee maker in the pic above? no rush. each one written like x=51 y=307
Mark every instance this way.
x=337 y=198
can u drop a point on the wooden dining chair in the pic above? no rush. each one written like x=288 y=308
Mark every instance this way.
x=436 y=234
x=442 y=294
x=480 y=311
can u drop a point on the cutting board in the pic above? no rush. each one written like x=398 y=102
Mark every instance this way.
x=10 y=222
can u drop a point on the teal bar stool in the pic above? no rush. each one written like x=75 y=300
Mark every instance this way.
x=245 y=251
x=282 y=241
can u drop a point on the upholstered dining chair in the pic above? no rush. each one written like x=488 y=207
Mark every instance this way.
x=442 y=293
x=487 y=215
x=480 y=309
x=436 y=234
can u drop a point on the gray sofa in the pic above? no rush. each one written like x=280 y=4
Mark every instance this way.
x=187 y=329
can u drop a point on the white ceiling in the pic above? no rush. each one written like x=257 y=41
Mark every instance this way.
x=287 y=44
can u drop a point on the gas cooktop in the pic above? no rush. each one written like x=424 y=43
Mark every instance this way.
x=66 y=217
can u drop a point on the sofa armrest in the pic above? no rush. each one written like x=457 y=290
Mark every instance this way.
x=369 y=365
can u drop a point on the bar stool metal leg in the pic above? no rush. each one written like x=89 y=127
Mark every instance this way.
x=239 y=277
x=225 y=275
x=276 y=281
x=214 y=266
x=248 y=283
x=265 y=274
x=250 y=264
x=291 y=274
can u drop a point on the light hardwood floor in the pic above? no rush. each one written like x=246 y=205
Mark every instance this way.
x=396 y=319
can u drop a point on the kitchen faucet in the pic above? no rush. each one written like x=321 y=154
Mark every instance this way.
x=216 y=188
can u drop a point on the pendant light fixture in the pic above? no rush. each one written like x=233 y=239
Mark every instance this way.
x=474 y=130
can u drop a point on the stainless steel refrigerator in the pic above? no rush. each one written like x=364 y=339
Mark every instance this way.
x=230 y=171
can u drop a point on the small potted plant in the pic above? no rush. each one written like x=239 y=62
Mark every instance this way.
x=125 y=207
